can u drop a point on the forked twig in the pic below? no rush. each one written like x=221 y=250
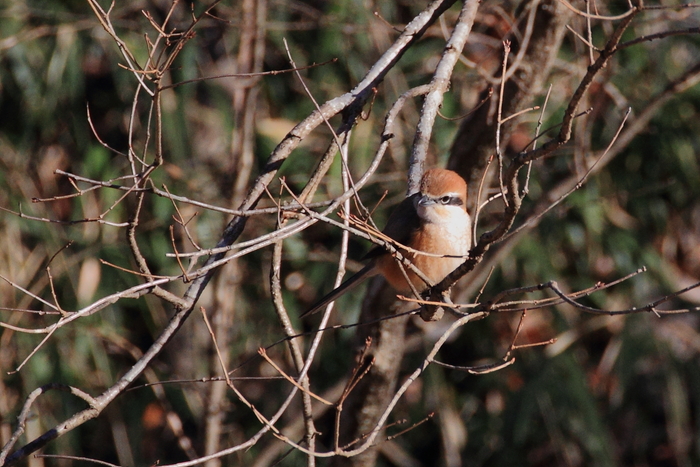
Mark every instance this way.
x=263 y=353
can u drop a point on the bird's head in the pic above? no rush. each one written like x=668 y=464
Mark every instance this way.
x=443 y=195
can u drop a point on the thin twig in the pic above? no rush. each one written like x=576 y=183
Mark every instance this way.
x=624 y=15
x=499 y=122
x=263 y=353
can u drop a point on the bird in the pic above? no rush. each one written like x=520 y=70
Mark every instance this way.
x=434 y=220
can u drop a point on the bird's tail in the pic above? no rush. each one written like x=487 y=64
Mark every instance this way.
x=346 y=286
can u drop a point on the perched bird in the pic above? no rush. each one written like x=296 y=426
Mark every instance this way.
x=435 y=221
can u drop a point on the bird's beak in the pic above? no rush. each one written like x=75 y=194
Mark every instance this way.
x=425 y=200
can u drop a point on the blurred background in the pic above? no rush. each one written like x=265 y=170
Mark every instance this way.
x=612 y=390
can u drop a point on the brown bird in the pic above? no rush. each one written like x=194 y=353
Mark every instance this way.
x=435 y=221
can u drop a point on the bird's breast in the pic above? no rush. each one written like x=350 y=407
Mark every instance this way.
x=436 y=238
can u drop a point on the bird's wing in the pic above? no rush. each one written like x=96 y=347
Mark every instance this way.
x=402 y=225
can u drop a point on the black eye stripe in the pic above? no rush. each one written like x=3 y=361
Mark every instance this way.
x=451 y=200
x=448 y=199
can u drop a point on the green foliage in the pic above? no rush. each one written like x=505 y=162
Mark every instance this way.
x=618 y=392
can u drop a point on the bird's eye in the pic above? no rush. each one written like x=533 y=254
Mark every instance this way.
x=445 y=200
